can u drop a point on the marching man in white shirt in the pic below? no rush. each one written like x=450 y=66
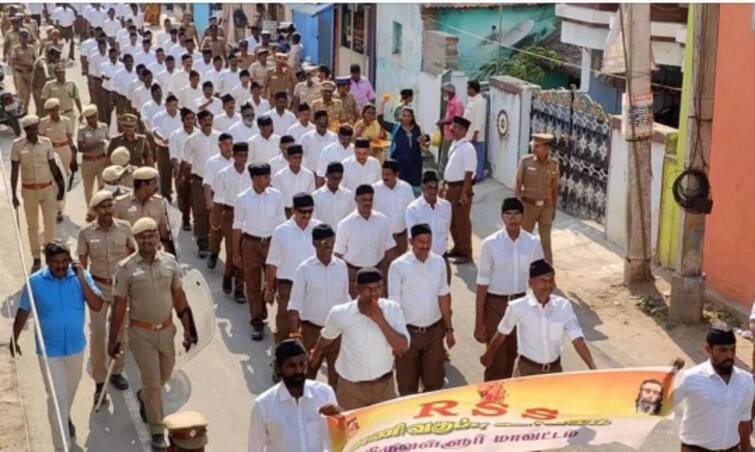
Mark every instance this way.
x=715 y=398
x=505 y=259
x=540 y=319
x=264 y=145
x=321 y=282
x=163 y=125
x=333 y=202
x=246 y=128
x=228 y=117
x=417 y=281
x=257 y=212
x=360 y=168
x=230 y=182
x=288 y=417
x=290 y=246
x=392 y=197
x=293 y=178
x=337 y=151
x=373 y=332
x=303 y=124
x=214 y=164
x=176 y=144
x=363 y=237
x=281 y=116
x=280 y=161
x=459 y=177
x=315 y=141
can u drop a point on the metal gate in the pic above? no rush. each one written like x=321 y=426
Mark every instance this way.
x=582 y=148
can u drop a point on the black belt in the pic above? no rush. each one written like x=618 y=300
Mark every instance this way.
x=226 y=206
x=508 y=297
x=455 y=184
x=702 y=449
x=194 y=176
x=543 y=367
x=254 y=238
x=423 y=329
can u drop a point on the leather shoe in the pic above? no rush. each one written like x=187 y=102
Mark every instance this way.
x=158 y=442
x=71 y=429
x=258 y=332
x=97 y=391
x=142 y=411
x=203 y=254
x=212 y=261
x=239 y=297
x=119 y=381
x=59 y=217
x=227 y=284
x=186 y=226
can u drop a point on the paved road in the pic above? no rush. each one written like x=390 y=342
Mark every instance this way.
x=224 y=378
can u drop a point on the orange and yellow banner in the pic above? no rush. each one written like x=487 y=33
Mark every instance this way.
x=521 y=414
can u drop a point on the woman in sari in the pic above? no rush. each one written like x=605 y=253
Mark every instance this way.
x=368 y=127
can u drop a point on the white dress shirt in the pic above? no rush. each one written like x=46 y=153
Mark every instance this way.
x=64 y=17
x=711 y=408
x=95 y=17
x=361 y=242
x=140 y=96
x=332 y=207
x=178 y=81
x=281 y=423
x=211 y=75
x=258 y=214
x=223 y=123
x=438 y=217
x=261 y=107
x=262 y=149
x=313 y=143
x=281 y=122
x=475 y=114
x=163 y=40
x=148 y=112
x=462 y=158
x=107 y=72
x=111 y=27
x=241 y=94
x=215 y=105
x=165 y=124
x=163 y=79
x=365 y=352
x=123 y=79
x=177 y=142
x=241 y=133
x=228 y=184
x=318 y=287
x=334 y=152
x=297 y=130
x=228 y=80
x=130 y=49
x=214 y=164
x=145 y=58
x=289 y=247
x=96 y=60
x=187 y=96
x=290 y=183
x=505 y=264
x=416 y=286
x=356 y=174
x=198 y=148
x=277 y=163
x=156 y=68
x=540 y=330
x=392 y=202
x=177 y=50
x=88 y=47
x=201 y=67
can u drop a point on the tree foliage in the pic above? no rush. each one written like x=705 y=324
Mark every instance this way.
x=527 y=64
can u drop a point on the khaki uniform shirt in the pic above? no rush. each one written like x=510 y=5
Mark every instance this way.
x=306 y=93
x=128 y=208
x=258 y=71
x=148 y=286
x=334 y=111
x=34 y=159
x=57 y=132
x=46 y=46
x=218 y=47
x=42 y=73
x=348 y=108
x=92 y=141
x=105 y=248
x=22 y=58
x=245 y=61
x=65 y=92
x=12 y=38
x=138 y=147
x=537 y=178
x=278 y=82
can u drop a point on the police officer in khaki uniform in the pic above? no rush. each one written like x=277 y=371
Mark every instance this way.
x=279 y=79
x=92 y=141
x=329 y=104
x=59 y=130
x=537 y=187
x=144 y=202
x=65 y=91
x=121 y=157
x=22 y=61
x=101 y=245
x=136 y=143
x=349 y=109
x=41 y=74
x=148 y=283
x=13 y=37
x=187 y=430
x=35 y=157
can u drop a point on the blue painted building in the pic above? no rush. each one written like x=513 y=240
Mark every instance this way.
x=315 y=24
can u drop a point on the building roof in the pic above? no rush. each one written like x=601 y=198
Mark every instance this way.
x=310 y=9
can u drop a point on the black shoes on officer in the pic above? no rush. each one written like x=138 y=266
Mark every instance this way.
x=71 y=429
x=119 y=381
x=258 y=332
x=158 y=442
x=212 y=261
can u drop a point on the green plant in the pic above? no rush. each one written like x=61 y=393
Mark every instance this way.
x=530 y=64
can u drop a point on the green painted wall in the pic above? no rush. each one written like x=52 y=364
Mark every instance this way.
x=669 y=215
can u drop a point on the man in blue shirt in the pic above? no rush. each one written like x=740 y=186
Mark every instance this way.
x=60 y=292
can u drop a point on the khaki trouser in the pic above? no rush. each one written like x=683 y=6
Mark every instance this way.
x=543 y=216
x=165 y=168
x=98 y=337
x=39 y=104
x=392 y=254
x=183 y=192
x=352 y=395
x=231 y=271
x=155 y=355
x=461 y=225
x=503 y=360
x=22 y=81
x=525 y=368
x=423 y=361
x=201 y=214
x=216 y=228
x=309 y=335
x=91 y=170
x=34 y=200
x=254 y=255
x=65 y=372
x=65 y=154
x=282 y=295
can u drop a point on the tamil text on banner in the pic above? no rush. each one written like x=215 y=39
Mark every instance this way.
x=534 y=413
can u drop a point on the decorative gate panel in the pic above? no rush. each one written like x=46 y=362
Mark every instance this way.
x=582 y=148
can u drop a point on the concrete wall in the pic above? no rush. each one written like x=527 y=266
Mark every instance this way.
x=429 y=100
x=729 y=241
x=397 y=71
x=664 y=138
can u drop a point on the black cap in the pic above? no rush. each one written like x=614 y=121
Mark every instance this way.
x=418 y=229
x=461 y=121
x=719 y=335
x=407 y=92
x=225 y=136
x=259 y=169
x=364 y=189
x=227 y=98
x=303 y=200
x=512 y=204
x=288 y=348
x=295 y=149
x=203 y=114
x=322 y=231
x=334 y=167
x=391 y=164
x=264 y=120
x=362 y=143
x=303 y=107
x=368 y=275
x=287 y=139
x=429 y=176
x=281 y=95
x=241 y=147
x=346 y=130
x=186 y=112
x=540 y=267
